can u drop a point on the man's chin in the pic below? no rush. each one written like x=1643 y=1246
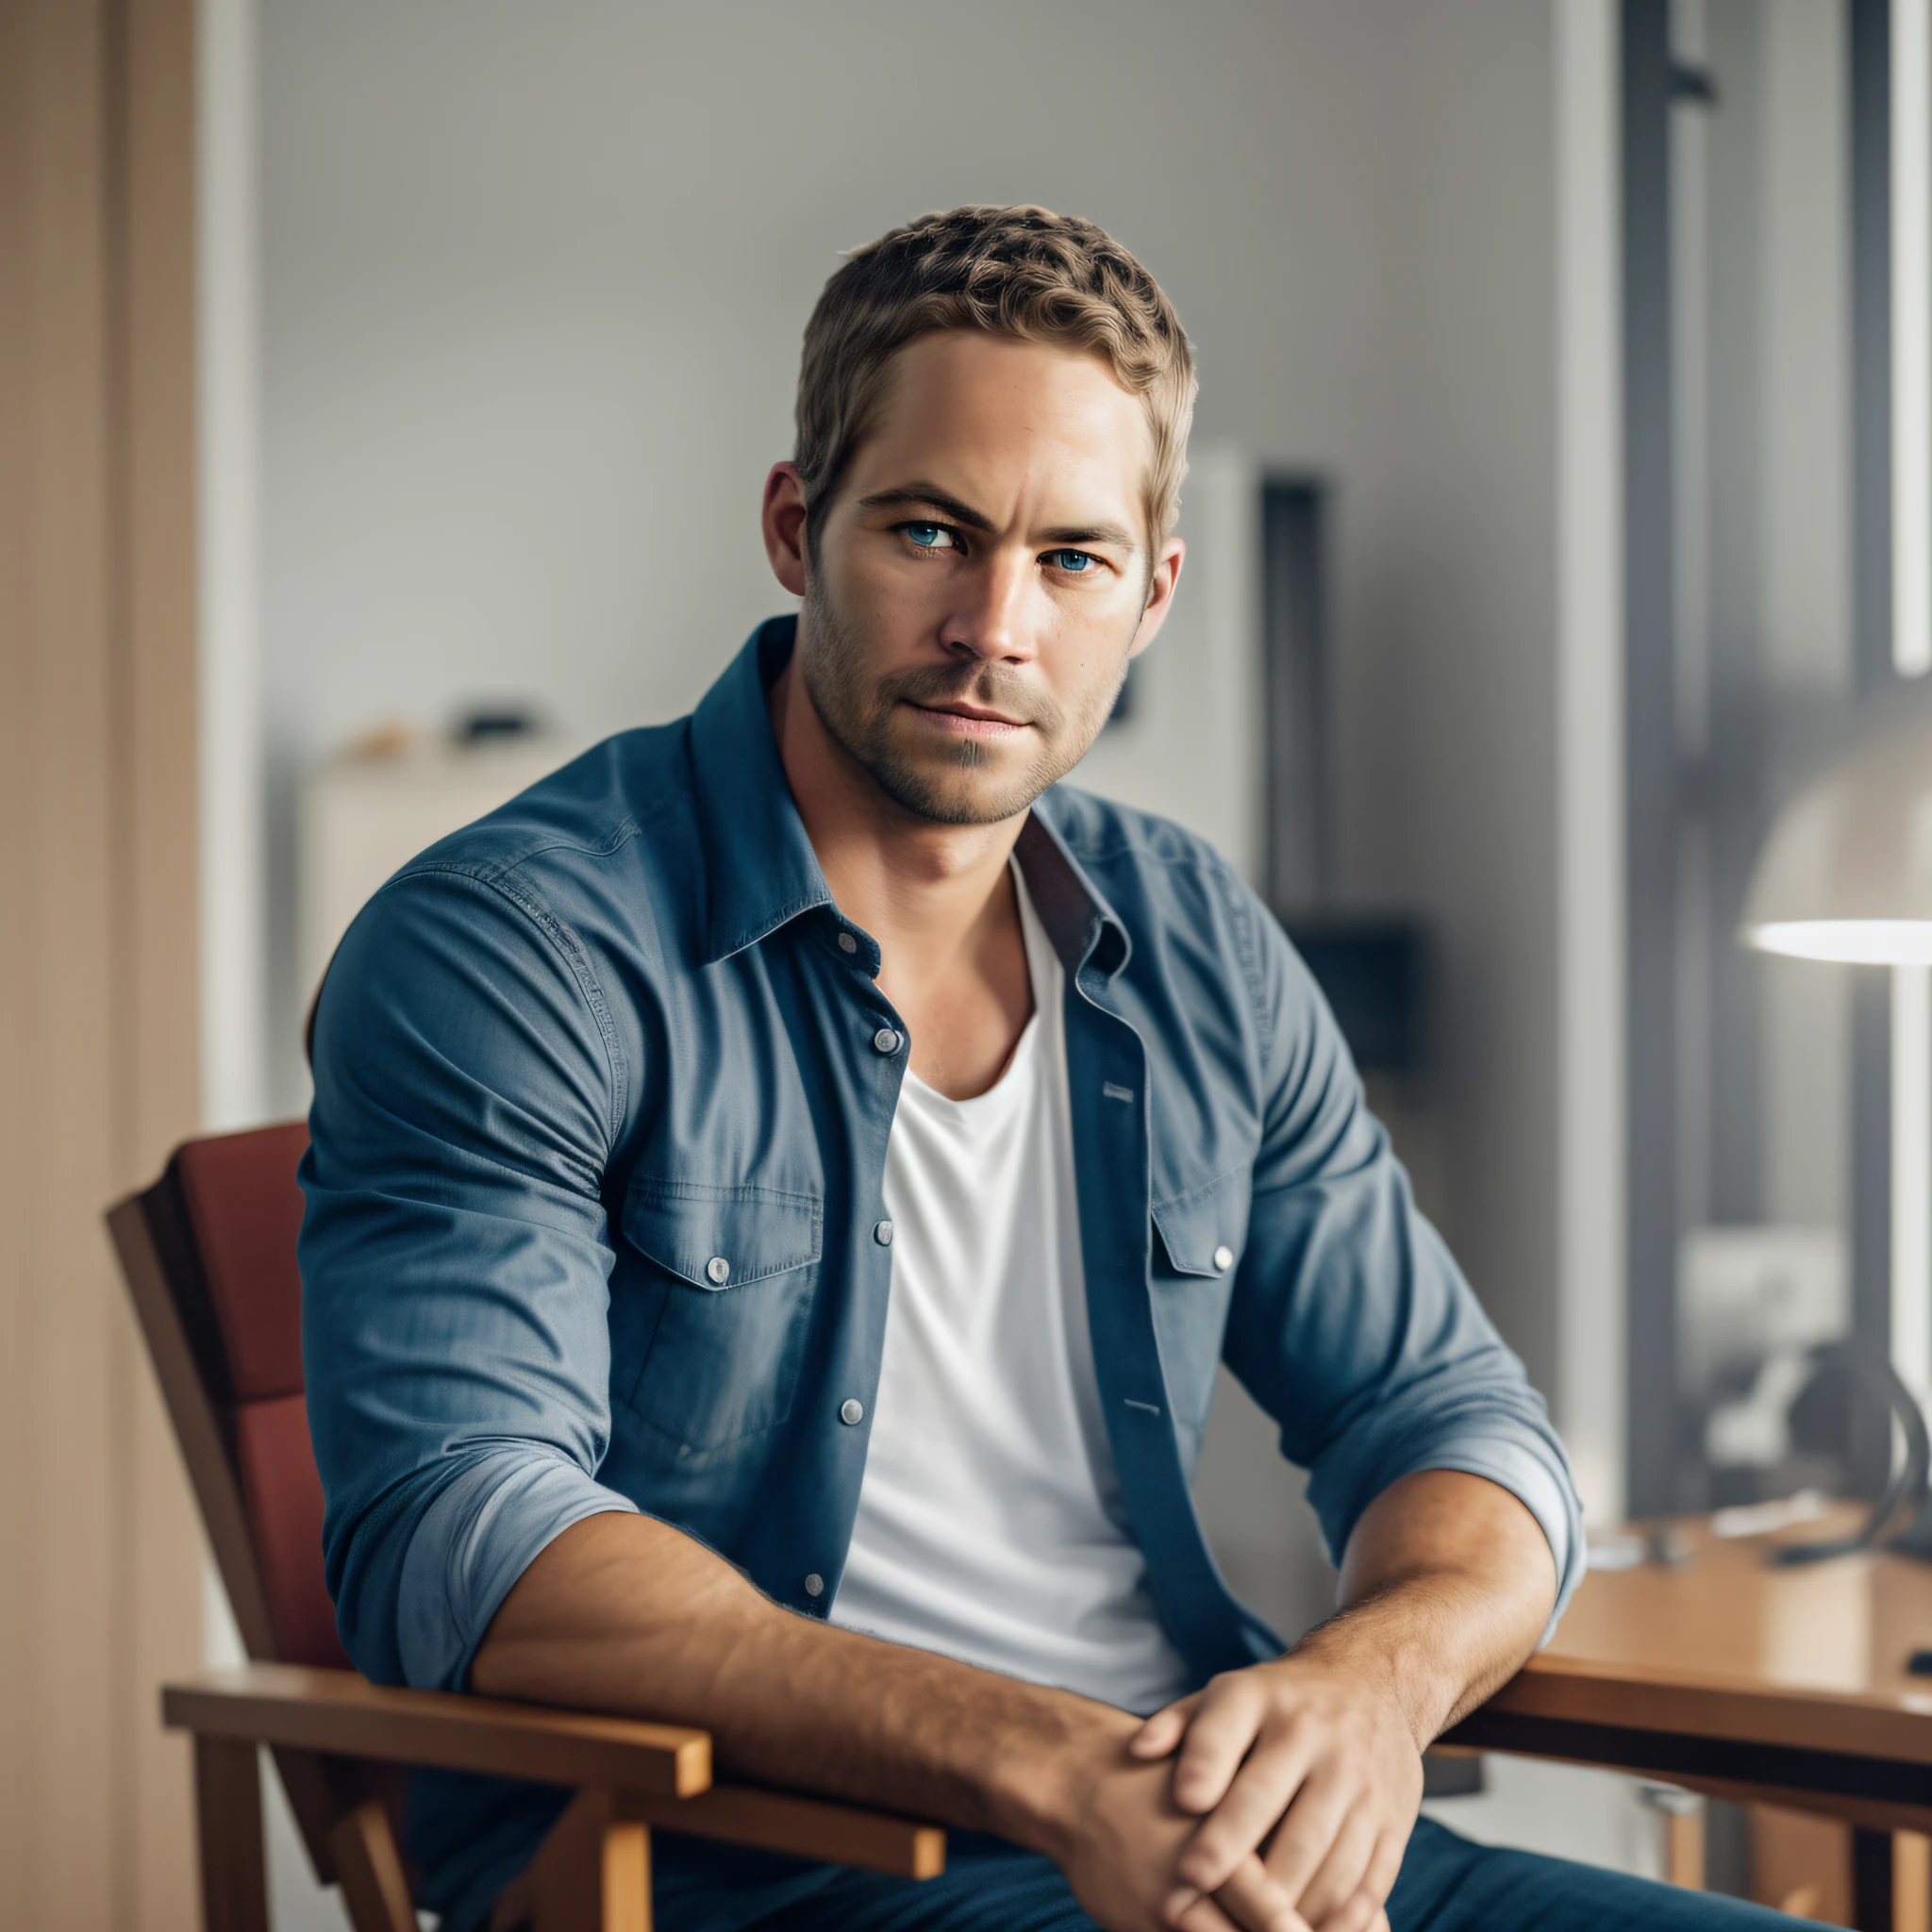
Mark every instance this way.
x=948 y=794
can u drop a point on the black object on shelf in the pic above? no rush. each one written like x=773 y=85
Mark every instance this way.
x=493 y=724
x=1373 y=971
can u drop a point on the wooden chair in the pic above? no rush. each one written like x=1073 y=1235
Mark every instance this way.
x=209 y=1257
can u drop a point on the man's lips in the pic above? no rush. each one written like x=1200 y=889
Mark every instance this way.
x=960 y=719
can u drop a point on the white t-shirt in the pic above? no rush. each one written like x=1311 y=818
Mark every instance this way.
x=991 y=1526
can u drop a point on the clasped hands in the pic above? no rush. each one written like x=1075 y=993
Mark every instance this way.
x=1278 y=1799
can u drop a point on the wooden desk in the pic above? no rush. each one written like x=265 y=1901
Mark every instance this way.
x=1745 y=1681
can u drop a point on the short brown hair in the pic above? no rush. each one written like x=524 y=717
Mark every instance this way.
x=1019 y=272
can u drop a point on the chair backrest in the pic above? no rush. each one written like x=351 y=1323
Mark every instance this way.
x=209 y=1257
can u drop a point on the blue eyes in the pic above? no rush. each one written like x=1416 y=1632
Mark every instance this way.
x=1075 y=563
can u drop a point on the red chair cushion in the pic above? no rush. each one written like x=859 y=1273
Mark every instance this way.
x=283 y=1496
x=245 y=1212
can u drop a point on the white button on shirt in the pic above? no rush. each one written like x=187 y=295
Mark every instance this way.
x=990 y=1525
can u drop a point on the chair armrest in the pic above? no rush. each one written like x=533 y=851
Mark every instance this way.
x=662 y=1771
x=827 y=1828
x=340 y=1712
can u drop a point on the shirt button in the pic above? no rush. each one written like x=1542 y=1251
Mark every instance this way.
x=851 y=1411
x=847 y=943
x=886 y=1039
x=1224 y=1259
x=882 y=1233
x=717 y=1271
x=814 y=1585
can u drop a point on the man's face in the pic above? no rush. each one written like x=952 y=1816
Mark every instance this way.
x=982 y=576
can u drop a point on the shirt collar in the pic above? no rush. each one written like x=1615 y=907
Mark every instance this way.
x=1084 y=929
x=760 y=865
x=762 y=869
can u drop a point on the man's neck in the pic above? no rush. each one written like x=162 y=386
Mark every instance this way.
x=937 y=898
x=918 y=887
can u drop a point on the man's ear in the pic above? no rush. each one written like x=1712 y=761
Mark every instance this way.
x=1161 y=582
x=784 y=525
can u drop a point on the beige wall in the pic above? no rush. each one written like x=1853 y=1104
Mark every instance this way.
x=100 y=1577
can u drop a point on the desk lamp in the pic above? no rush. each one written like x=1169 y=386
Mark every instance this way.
x=1846 y=874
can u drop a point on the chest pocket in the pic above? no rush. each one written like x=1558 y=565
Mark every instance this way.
x=732 y=1270
x=1203 y=1230
x=1199 y=1236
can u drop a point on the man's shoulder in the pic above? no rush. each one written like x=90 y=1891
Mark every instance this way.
x=1163 y=882
x=586 y=875
x=1116 y=842
x=612 y=803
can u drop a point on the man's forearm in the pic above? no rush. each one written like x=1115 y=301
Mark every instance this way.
x=627 y=1614
x=1446 y=1586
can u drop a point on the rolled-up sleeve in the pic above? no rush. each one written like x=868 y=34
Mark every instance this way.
x=1350 y=1323
x=455 y=1262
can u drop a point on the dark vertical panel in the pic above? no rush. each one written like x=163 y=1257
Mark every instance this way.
x=1729 y=797
x=1295 y=683
x=1872 y=1904
x=1735 y=829
x=1871 y=1193
x=1651 y=775
x=1870 y=224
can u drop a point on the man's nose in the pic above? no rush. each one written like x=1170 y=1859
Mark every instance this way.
x=994 y=616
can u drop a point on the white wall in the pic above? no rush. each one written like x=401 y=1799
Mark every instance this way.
x=536 y=278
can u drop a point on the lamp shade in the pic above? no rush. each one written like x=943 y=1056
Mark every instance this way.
x=1847 y=871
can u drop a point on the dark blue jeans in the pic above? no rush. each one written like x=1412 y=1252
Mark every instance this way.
x=1447 y=1885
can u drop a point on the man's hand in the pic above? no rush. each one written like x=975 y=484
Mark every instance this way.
x=1313 y=1761
x=1310 y=1749
x=1120 y=1836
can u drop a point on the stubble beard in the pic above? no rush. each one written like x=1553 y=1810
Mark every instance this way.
x=938 y=785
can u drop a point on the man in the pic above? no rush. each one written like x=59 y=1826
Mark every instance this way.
x=781 y=1188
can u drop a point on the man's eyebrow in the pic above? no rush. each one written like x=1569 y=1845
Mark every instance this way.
x=1117 y=534
x=923 y=496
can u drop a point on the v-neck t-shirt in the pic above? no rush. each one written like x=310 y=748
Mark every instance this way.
x=990 y=1523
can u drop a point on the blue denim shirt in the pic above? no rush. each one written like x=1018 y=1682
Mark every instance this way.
x=603 y=1086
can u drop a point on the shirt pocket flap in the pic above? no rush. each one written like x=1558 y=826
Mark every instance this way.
x=1203 y=1229
x=722 y=1238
